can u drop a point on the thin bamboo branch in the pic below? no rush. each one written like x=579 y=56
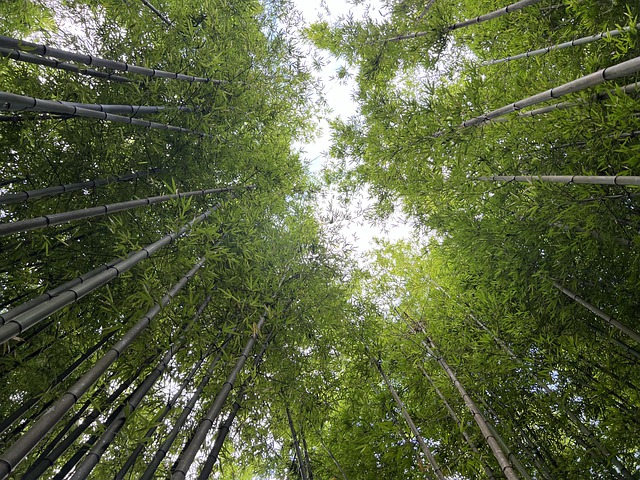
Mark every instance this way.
x=472 y=21
x=66 y=295
x=68 y=67
x=296 y=445
x=71 y=187
x=578 y=179
x=157 y=12
x=90 y=60
x=425 y=449
x=13 y=102
x=592 y=308
x=188 y=455
x=560 y=46
x=21 y=448
x=108 y=209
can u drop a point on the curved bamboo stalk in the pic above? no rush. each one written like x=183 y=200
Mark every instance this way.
x=487 y=469
x=16 y=453
x=90 y=60
x=502 y=458
x=72 y=187
x=68 y=67
x=472 y=21
x=73 y=215
x=560 y=46
x=150 y=471
x=610 y=73
x=30 y=402
x=13 y=102
x=425 y=449
x=223 y=431
x=578 y=179
x=592 y=308
x=66 y=295
x=189 y=453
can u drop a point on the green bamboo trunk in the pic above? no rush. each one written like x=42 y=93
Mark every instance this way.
x=578 y=179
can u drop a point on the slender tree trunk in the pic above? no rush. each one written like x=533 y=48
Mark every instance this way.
x=331 y=455
x=296 y=445
x=487 y=469
x=186 y=458
x=472 y=21
x=150 y=471
x=305 y=451
x=90 y=60
x=13 y=102
x=16 y=452
x=71 y=187
x=425 y=449
x=501 y=456
x=157 y=12
x=607 y=318
x=577 y=179
x=98 y=277
x=73 y=215
x=133 y=110
x=560 y=46
x=68 y=67
x=223 y=431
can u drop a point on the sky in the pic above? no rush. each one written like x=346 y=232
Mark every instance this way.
x=359 y=232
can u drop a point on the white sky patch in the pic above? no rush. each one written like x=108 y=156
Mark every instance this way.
x=351 y=221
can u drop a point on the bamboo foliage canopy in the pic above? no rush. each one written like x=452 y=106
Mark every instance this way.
x=176 y=301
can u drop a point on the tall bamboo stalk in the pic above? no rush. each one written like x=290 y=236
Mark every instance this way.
x=68 y=67
x=159 y=14
x=502 y=458
x=592 y=308
x=133 y=110
x=560 y=46
x=296 y=445
x=13 y=102
x=72 y=187
x=189 y=453
x=90 y=60
x=73 y=215
x=425 y=449
x=82 y=286
x=472 y=21
x=610 y=73
x=162 y=451
x=17 y=452
x=55 y=382
x=579 y=179
x=487 y=469
x=223 y=431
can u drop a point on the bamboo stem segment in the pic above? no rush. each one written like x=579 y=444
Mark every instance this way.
x=578 y=179
x=90 y=60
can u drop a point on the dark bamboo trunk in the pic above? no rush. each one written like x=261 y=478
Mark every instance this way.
x=296 y=445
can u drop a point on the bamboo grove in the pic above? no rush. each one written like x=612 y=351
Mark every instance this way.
x=173 y=304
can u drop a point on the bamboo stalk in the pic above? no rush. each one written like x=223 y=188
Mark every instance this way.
x=133 y=110
x=131 y=460
x=223 y=430
x=157 y=12
x=13 y=102
x=472 y=21
x=296 y=444
x=578 y=179
x=66 y=295
x=73 y=215
x=188 y=455
x=90 y=60
x=607 y=318
x=21 y=448
x=487 y=469
x=162 y=451
x=68 y=67
x=71 y=187
x=560 y=46
x=582 y=83
x=502 y=458
x=425 y=449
